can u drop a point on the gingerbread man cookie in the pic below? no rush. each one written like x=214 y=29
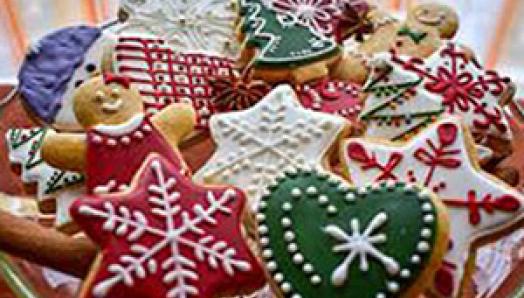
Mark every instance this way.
x=442 y=158
x=118 y=134
x=435 y=15
x=166 y=237
x=280 y=46
x=55 y=66
x=321 y=237
x=256 y=145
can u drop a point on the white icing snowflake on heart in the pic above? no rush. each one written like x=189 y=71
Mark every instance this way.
x=255 y=146
x=360 y=244
x=189 y=26
x=318 y=15
x=438 y=158
x=167 y=236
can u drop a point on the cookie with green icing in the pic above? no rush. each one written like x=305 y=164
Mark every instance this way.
x=320 y=237
x=280 y=47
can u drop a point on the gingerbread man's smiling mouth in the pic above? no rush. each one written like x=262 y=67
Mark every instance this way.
x=112 y=107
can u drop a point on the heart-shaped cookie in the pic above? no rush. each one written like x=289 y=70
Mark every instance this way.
x=320 y=237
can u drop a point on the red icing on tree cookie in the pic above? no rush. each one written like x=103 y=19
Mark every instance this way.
x=115 y=152
x=167 y=237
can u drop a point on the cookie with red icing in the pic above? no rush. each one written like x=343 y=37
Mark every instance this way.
x=164 y=76
x=118 y=134
x=442 y=158
x=167 y=237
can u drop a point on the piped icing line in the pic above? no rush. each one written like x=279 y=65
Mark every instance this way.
x=479 y=205
x=361 y=246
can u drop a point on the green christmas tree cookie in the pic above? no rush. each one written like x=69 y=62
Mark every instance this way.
x=285 y=49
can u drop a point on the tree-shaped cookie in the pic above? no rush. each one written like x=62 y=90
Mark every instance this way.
x=440 y=158
x=167 y=237
x=395 y=108
x=118 y=134
x=280 y=48
x=24 y=146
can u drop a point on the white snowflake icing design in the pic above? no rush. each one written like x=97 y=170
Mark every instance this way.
x=178 y=270
x=256 y=146
x=315 y=14
x=360 y=244
x=202 y=26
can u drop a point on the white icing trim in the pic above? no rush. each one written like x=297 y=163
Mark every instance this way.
x=121 y=129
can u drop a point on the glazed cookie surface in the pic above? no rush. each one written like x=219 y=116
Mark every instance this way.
x=256 y=145
x=321 y=237
x=167 y=237
x=442 y=158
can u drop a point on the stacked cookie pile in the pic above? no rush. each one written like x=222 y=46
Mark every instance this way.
x=271 y=148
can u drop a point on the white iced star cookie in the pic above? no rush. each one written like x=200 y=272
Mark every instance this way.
x=189 y=26
x=441 y=159
x=255 y=146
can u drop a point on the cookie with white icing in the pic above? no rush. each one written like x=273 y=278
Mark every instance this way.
x=256 y=145
x=464 y=88
x=281 y=47
x=24 y=145
x=188 y=26
x=321 y=237
x=58 y=64
x=442 y=158
x=167 y=237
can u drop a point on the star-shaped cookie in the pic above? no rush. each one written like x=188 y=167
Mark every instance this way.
x=440 y=158
x=167 y=237
x=256 y=145
x=464 y=88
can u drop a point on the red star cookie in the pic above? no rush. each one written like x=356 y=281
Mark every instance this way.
x=167 y=237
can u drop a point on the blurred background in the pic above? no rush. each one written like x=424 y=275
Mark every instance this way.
x=490 y=27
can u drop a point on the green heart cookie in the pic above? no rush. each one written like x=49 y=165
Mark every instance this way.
x=321 y=237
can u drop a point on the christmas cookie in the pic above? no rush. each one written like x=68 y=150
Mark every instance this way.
x=163 y=76
x=166 y=237
x=24 y=145
x=435 y=15
x=188 y=26
x=118 y=134
x=464 y=88
x=280 y=47
x=55 y=66
x=321 y=237
x=332 y=97
x=256 y=145
x=395 y=108
x=442 y=158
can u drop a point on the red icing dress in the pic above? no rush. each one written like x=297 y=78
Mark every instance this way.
x=116 y=152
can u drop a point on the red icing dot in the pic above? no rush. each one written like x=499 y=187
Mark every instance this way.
x=444 y=282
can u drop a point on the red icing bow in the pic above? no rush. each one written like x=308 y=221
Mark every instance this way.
x=110 y=77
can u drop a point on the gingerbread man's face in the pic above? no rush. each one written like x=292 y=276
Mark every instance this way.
x=441 y=17
x=97 y=102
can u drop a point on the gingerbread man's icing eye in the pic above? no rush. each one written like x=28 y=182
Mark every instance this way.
x=99 y=96
x=115 y=93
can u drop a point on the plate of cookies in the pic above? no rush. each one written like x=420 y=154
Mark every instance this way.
x=261 y=149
